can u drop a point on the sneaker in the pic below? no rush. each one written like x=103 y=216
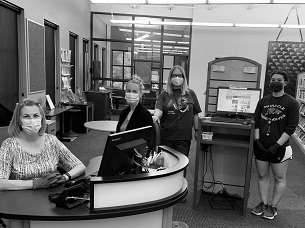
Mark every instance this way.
x=270 y=213
x=260 y=209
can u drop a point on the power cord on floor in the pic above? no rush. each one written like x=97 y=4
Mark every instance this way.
x=221 y=200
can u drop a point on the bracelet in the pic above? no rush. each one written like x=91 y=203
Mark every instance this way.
x=69 y=176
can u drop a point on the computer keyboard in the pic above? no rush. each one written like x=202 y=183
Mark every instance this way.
x=228 y=119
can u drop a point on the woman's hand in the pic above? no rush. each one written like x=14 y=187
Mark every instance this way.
x=156 y=118
x=48 y=180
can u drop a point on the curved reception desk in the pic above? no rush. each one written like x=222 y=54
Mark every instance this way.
x=131 y=201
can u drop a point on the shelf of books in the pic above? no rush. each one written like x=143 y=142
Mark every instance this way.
x=299 y=134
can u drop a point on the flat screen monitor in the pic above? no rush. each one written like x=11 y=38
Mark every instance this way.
x=237 y=101
x=121 y=150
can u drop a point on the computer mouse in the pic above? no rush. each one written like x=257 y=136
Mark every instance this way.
x=69 y=184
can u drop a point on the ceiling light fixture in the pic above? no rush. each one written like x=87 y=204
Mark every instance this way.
x=195 y=2
x=206 y=24
x=293 y=26
x=142 y=22
x=257 y=25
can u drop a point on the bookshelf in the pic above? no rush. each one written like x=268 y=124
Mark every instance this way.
x=65 y=72
x=299 y=134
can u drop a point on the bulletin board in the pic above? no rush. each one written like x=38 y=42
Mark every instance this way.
x=36 y=57
x=230 y=72
x=286 y=56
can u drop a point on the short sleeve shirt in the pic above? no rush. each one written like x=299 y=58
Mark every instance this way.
x=18 y=164
x=178 y=114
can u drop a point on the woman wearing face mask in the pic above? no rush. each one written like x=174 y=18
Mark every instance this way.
x=135 y=115
x=276 y=118
x=30 y=158
x=177 y=111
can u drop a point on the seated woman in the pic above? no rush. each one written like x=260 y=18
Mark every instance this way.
x=135 y=115
x=30 y=158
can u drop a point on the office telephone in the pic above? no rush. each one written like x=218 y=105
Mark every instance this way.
x=72 y=196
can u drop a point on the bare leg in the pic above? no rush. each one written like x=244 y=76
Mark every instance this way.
x=263 y=169
x=279 y=172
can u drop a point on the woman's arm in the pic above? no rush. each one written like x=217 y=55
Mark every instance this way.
x=6 y=184
x=76 y=171
x=157 y=115
x=195 y=122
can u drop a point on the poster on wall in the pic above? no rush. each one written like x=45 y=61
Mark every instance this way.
x=286 y=56
x=36 y=57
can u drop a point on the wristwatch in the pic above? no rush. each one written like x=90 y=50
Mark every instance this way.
x=68 y=175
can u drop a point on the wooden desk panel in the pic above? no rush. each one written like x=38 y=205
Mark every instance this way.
x=231 y=148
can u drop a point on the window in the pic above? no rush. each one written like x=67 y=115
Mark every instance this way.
x=121 y=67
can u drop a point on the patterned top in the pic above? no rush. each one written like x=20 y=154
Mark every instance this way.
x=18 y=164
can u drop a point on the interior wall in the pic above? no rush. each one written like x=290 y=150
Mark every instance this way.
x=209 y=43
x=71 y=16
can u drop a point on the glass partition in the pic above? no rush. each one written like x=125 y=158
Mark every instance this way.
x=148 y=50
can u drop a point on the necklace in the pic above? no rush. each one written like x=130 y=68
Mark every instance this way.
x=270 y=115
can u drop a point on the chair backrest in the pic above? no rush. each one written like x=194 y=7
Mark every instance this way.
x=3 y=134
x=155 y=137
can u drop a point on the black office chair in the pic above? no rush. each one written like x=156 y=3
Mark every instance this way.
x=155 y=139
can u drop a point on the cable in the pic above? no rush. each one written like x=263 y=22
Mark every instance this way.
x=222 y=198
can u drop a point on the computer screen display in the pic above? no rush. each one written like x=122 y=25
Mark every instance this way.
x=119 y=154
x=237 y=101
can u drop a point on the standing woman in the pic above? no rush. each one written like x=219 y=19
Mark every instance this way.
x=177 y=111
x=30 y=158
x=276 y=118
x=135 y=115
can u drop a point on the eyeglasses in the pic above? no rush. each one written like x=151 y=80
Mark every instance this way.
x=177 y=75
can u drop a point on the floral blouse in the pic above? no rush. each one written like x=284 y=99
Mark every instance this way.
x=18 y=164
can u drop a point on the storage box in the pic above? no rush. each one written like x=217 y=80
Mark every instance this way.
x=51 y=127
x=207 y=135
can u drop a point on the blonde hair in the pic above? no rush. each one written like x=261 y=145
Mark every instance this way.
x=137 y=80
x=169 y=86
x=14 y=129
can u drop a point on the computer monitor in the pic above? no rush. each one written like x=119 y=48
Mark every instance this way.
x=237 y=101
x=119 y=152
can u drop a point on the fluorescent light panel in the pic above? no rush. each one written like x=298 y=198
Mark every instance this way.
x=238 y=1
x=208 y=24
x=118 y=2
x=184 y=2
x=289 y=2
x=194 y=2
x=212 y=24
x=130 y=22
x=293 y=26
x=257 y=25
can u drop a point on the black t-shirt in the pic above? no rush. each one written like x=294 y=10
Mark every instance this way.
x=275 y=115
x=178 y=114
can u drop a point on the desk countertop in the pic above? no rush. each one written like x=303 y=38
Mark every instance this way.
x=34 y=204
x=102 y=125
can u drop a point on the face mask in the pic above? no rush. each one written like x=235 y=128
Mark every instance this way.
x=276 y=86
x=132 y=98
x=177 y=81
x=32 y=126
